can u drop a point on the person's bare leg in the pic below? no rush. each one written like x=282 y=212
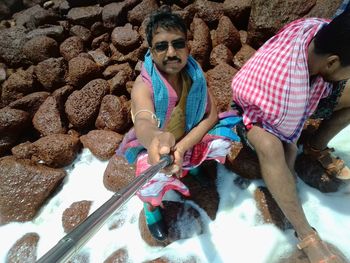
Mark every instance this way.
x=279 y=180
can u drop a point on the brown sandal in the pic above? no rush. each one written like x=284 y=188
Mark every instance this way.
x=334 y=166
x=312 y=239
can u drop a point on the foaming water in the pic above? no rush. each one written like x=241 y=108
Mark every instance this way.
x=236 y=235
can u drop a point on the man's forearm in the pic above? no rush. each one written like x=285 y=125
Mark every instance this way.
x=145 y=132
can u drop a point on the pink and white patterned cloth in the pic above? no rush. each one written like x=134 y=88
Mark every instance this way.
x=274 y=89
x=210 y=148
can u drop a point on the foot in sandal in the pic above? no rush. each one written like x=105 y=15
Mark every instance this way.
x=317 y=250
x=333 y=165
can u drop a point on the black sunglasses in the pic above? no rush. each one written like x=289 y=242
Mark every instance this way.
x=164 y=45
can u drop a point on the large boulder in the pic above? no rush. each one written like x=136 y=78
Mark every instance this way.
x=24 y=188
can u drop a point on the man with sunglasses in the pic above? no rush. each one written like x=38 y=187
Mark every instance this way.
x=278 y=89
x=174 y=114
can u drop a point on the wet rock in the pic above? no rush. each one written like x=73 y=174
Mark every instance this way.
x=17 y=85
x=24 y=250
x=227 y=34
x=12 y=41
x=313 y=174
x=81 y=70
x=204 y=182
x=114 y=114
x=40 y=48
x=270 y=211
x=53 y=31
x=34 y=16
x=56 y=150
x=201 y=43
x=51 y=73
x=71 y=47
x=30 y=103
x=142 y=10
x=121 y=255
x=220 y=54
x=125 y=39
x=181 y=219
x=118 y=174
x=102 y=144
x=114 y=14
x=75 y=214
x=47 y=120
x=219 y=82
x=82 y=106
x=84 y=16
x=81 y=32
x=243 y=55
x=245 y=163
x=266 y=18
x=24 y=187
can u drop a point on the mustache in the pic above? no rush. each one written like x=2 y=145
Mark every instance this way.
x=166 y=60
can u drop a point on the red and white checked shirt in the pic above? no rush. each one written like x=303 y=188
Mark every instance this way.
x=273 y=87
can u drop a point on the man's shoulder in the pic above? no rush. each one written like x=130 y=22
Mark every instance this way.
x=304 y=22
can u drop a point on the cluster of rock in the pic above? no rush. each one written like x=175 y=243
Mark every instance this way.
x=66 y=71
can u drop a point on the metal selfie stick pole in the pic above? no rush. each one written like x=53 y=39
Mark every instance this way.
x=74 y=240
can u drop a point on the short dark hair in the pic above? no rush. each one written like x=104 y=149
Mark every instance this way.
x=164 y=18
x=334 y=38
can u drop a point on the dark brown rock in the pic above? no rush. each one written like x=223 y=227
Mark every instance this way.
x=243 y=55
x=30 y=103
x=139 y=12
x=266 y=18
x=82 y=32
x=97 y=41
x=112 y=70
x=209 y=11
x=204 y=182
x=114 y=114
x=40 y=48
x=24 y=187
x=24 y=250
x=245 y=163
x=23 y=150
x=63 y=93
x=201 y=43
x=176 y=216
x=56 y=32
x=102 y=144
x=270 y=211
x=35 y=16
x=99 y=57
x=121 y=255
x=17 y=85
x=75 y=214
x=219 y=82
x=324 y=8
x=114 y=14
x=47 y=120
x=117 y=83
x=118 y=174
x=220 y=54
x=3 y=73
x=227 y=34
x=82 y=106
x=238 y=11
x=125 y=38
x=81 y=70
x=12 y=41
x=71 y=47
x=84 y=16
x=51 y=73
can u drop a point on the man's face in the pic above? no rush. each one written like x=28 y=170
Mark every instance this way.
x=341 y=73
x=169 y=50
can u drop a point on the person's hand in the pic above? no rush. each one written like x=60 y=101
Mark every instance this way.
x=161 y=144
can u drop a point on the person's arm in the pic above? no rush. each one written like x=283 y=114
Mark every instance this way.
x=147 y=132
